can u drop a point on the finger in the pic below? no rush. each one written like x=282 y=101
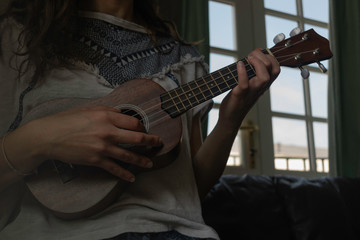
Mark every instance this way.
x=106 y=108
x=275 y=69
x=116 y=170
x=126 y=122
x=258 y=54
x=243 y=80
x=124 y=155
x=262 y=72
x=124 y=136
x=269 y=61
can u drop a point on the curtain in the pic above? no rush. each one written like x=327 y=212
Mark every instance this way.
x=344 y=87
x=194 y=26
x=192 y=20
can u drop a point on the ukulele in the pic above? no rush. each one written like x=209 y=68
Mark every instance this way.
x=72 y=192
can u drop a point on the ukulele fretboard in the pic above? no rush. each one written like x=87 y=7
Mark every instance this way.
x=181 y=99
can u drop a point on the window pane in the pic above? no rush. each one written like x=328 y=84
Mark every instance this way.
x=281 y=164
x=322 y=165
x=326 y=165
x=320 y=30
x=317 y=10
x=213 y=118
x=319 y=94
x=319 y=165
x=276 y=25
x=287 y=6
x=289 y=138
x=297 y=164
x=321 y=139
x=218 y=61
x=286 y=93
x=234 y=158
x=222 y=27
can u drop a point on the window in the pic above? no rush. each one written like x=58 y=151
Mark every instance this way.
x=223 y=52
x=292 y=137
x=299 y=106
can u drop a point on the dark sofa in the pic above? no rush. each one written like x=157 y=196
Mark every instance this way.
x=278 y=207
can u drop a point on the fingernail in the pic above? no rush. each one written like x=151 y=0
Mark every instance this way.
x=160 y=143
x=132 y=179
x=240 y=63
x=149 y=165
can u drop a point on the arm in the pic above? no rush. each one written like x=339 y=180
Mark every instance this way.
x=210 y=158
x=85 y=136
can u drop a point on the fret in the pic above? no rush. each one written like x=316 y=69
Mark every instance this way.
x=190 y=90
x=216 y=76
x=208 y=89
x=198 y=91
x=249 y=68
x=189 y=95
x=233 y=81
x=169 y=105
x=174 y=102
x=214 y=88
x=183 y=98
x=225 y=78
x=228 y=78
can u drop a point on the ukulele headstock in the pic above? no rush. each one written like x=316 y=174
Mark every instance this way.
x=301 y=49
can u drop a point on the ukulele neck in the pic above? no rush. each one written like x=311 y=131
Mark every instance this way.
x=181 y=99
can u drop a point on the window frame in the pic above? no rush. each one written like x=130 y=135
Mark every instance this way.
x=250 y=36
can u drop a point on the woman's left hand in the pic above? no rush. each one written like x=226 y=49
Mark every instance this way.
x=239 y=101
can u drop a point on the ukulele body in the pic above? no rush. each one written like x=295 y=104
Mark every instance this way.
x=81 y=191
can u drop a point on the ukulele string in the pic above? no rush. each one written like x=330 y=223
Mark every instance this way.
x=153 y=115
x=213 y=81
x=285 y=47
x=160 y=120
x=280 y=48
x=290 y=56
x=184 y=93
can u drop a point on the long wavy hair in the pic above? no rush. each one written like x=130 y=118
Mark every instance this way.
x=45 y=39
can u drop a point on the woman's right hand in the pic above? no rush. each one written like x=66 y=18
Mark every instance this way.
x=92 y=136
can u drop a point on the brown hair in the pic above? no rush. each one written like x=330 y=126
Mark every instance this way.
x=45 y=31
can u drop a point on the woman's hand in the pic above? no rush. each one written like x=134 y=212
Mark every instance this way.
x=240 y=100
x=92 y=136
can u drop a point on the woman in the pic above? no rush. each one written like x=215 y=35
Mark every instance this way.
x=85 y=49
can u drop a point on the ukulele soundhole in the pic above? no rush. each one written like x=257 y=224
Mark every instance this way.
x=135 y=111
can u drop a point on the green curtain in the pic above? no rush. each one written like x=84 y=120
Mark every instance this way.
x=344 y=114
x=192 y=20
x=194 y=25
x=194 y=28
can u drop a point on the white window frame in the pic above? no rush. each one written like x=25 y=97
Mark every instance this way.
x=250 y=36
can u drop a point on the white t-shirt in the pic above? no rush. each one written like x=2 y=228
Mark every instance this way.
x=160 y=200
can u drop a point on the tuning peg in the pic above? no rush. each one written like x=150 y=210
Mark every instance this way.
x=278 y=38
x=322 y=67
x=295 y=31
x=304 y=73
